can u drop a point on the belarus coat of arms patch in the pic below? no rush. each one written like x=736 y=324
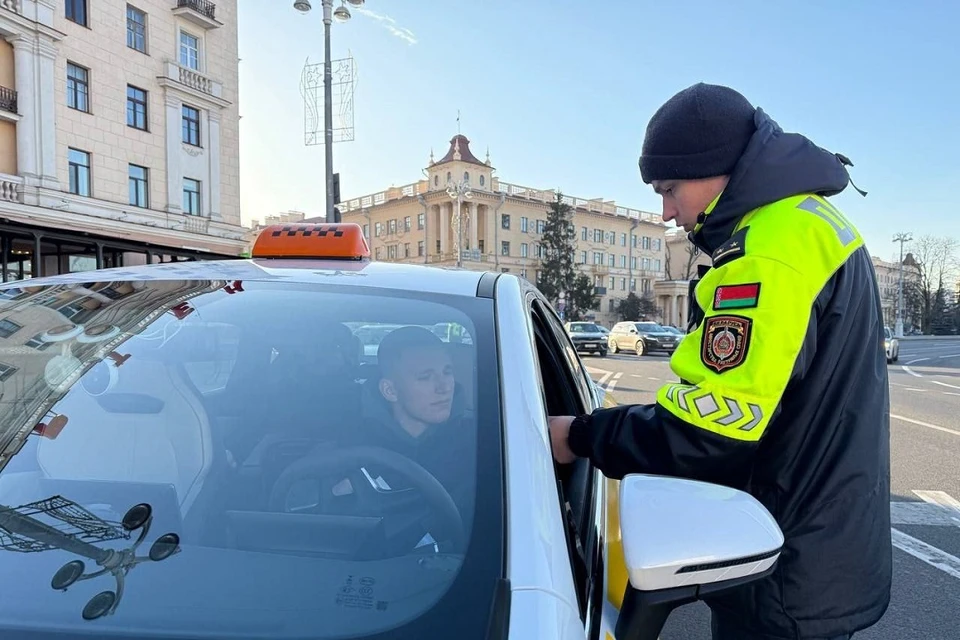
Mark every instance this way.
x=725 y=341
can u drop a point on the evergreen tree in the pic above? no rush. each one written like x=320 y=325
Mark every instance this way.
x=581 y=298
x=634 y=307
x=557 y=272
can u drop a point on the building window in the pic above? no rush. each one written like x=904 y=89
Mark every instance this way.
x=480 y=245
x=421 y=220
x=79 y=162
x=190 y=133
x=523 y=273
x=505 y=220
x=583 y=233
x=191 y=197
x=623 y=261
x=656 y=266
x=623 y=284
x=189 y=51
x=646 y=242
x=646 y=264
x=466 y=176
x=598 y=235
x=406 y=250
x=76 y=11
x=504 y=248
x=6 y=370
x=540 y=251
x=136 y=29
x=613 y=283
x=366 y=231
x=78 y=87
x=633 y=284
x=376 y=254
x=623 y=239
x=8 y=328
x=611 y=260
x=646 y=285
x=583 y=257
x=633 y=262
x=597 y=258
x=523 y=250
x=138 y=187
x=612 y=238
x=656 y=244
x=136 y=108
x=420 y=248
x=406 y=223
x=438 y=247
x=392 y=252
x=481 y=180
x=633 y=241
x=523 y=224
x=391 y=226
x=378 y=228
x=541 y=225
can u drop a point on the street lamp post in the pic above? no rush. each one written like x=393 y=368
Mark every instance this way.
x=901 y=238
x=561 y=306
x=458 y=191
x=342 y=14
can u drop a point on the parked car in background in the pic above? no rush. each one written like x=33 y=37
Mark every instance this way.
x=587 y=337
x=641 y=338
x=891 y=345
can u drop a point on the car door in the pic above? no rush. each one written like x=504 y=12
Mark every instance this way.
x=568 y=390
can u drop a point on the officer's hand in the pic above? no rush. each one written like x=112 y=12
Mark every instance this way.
x=559 y=430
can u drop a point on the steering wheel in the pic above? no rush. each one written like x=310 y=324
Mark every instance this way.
x=319 y=465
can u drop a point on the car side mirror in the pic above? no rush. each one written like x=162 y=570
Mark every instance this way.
x=684 y=539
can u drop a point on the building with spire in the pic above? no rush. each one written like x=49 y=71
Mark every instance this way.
x=500 y=225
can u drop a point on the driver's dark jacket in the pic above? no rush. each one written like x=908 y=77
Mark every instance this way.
x=811 y=441
x=447 y=451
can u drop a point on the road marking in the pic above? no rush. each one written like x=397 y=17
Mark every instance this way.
x=950 y=393
x=910 y=371
x=943 y=500
x=914 y=389
x=918 y=360
x=925 y=424
x=944 y=384
x=652 y=378
x=603 y=379
x=928 y=553
x=613 y=383
x=920 y=513
x=952 y=355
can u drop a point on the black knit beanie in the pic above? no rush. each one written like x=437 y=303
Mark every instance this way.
x=699 y=133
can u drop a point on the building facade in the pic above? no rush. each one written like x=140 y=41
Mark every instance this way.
x=501 y=224
x=119 y=133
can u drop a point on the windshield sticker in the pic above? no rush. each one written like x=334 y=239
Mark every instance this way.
x=358 y=593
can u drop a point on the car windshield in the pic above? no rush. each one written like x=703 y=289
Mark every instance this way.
x=649 y=327
x=285 y=460
x=584 y=327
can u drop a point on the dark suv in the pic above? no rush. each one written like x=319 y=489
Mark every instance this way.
x=587 y=338
x=642 y=337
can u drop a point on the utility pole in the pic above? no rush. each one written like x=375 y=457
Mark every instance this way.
x=901 y=238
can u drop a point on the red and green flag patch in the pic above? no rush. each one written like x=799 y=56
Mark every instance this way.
x=737 y=296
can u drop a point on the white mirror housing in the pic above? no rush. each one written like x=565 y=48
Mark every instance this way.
x=683 y=539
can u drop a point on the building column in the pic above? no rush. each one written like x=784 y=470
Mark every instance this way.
x=213 y=121
x=172 y=108
x=681 y=311
x=445 y=227
x=474 y=212
x=28 y=128
x=47 y=105
x=490 y=231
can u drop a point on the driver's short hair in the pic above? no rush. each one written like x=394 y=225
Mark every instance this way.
x=401 y=340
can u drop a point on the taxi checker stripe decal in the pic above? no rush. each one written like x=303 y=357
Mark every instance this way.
x=707 y=405
x=321 y=231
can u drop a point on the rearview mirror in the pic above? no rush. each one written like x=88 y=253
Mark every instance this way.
x=684 y=539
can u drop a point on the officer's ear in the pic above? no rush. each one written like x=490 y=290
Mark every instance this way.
x=388 y=390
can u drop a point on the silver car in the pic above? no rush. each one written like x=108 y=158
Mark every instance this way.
x=891 y=345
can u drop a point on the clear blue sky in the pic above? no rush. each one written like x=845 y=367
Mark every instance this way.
x=561 y=92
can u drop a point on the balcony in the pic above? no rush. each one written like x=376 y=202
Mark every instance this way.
x=200 y=12
x=10 y=188
x=10 y=5
x=178 y=77
x=8 y=103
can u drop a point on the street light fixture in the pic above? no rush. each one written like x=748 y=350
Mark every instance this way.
x=342 y=14
x=459 y=191
x=901 y=238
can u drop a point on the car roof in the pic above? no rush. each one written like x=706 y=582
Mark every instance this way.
x=359 y=273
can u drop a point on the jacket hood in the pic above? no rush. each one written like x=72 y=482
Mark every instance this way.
x=775 y=165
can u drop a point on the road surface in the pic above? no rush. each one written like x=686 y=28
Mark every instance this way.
x=925 y=468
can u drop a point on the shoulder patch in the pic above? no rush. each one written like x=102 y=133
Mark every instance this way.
x=732 y=249
x=725 y=342
x=736 y=296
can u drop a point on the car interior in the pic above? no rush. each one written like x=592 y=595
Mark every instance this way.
x=219 y=452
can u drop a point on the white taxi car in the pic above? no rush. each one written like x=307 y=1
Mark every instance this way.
x=223 y=428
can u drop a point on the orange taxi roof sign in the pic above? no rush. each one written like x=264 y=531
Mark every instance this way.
x=337 y=241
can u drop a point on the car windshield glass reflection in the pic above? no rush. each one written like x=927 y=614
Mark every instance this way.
x=286 y=458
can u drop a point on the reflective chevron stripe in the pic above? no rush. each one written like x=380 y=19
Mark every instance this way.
x=715 y=413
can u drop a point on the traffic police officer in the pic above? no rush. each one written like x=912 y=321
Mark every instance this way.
x=783 y=382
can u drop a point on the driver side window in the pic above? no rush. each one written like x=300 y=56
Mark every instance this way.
x=566 y=391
